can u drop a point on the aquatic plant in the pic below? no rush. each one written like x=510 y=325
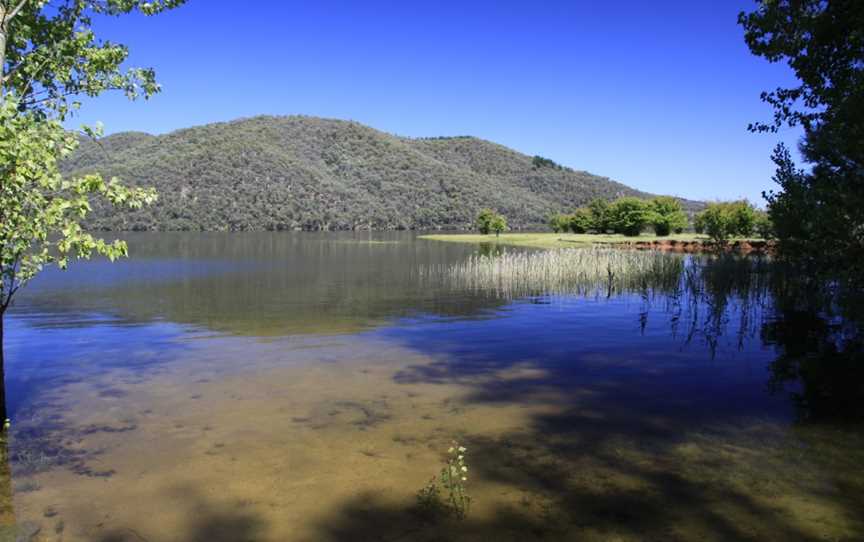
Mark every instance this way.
x=582 y=271
x=451 y=481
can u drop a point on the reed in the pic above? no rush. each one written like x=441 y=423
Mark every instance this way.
x=585 y=271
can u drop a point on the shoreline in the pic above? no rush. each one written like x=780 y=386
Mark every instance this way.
x=686 y=243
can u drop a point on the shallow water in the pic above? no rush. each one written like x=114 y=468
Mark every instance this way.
x=280 y=387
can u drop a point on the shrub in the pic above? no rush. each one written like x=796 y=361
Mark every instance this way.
x=600 y=217
x=559 y=222
x=723 y=220
x=498 y=224
x=667 y=215
x=744 y=218
x=580 y=221
x=764 y=226
x=484 y=221
x=629 y=216
x=699 y=223
x=539 y=161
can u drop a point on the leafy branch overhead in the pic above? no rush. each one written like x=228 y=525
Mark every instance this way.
x=41 y=211
x=818 y=212
x=50 y=57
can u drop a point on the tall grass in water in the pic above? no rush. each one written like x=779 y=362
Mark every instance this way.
x=701 y=294
x=583 y=271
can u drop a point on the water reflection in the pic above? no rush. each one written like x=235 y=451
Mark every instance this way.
x=704 y=299
x=257 y=284
x=290 y=387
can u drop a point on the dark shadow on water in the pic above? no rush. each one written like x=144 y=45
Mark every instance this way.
x=208 y=522
x=647 y=441
x=622 y=476
x=654 y=514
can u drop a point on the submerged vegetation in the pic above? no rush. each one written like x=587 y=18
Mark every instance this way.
x=569 y=405
x=818 y=326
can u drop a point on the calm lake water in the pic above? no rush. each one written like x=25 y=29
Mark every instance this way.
x=299 y=386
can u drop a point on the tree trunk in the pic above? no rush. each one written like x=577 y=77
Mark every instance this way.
x=3 y=31
x=7 y=511
x=3 y=413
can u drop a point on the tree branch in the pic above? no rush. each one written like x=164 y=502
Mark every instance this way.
x=11 y=15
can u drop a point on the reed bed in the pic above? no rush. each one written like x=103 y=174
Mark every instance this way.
x=583 y=271
x=702 y=295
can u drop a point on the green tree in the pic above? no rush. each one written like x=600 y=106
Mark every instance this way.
x=559 y=222
x=667 y=215
x=699 y=223
x=581 y=220
x=820 y=211
x=715 y=222
x=483 y=223
x=539 y=161
x=744 y=218
x=724 y=220
x=629 y=216
x=764 y=226
x=49 y=56
x=600 y=217
x=498 y=224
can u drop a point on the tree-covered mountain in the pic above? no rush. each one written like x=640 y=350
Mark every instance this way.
x=278 y=173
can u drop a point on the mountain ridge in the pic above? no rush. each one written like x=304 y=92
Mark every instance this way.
x=308 y=173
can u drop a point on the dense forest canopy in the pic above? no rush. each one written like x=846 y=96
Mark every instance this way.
x=288 y=173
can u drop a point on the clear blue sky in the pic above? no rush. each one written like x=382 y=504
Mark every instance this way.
x=654 y=94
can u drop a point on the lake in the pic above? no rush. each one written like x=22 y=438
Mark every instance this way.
x=302 y=386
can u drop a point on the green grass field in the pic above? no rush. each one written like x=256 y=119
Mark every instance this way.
x=555 y=240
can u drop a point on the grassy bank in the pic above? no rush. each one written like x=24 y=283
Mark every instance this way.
x=555 y=240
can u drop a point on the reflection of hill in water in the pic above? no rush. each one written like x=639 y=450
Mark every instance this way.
x=607 y=429
x=276 y=284
x=264 y=284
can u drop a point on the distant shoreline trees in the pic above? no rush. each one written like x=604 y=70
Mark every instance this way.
x=627 y=216
x=722 y=221
x=631 y=216
x=668 y=216
x=489 y=221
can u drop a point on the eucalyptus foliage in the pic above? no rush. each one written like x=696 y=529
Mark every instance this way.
x=50 y=56
x=667 y=215
x=626 y=215
x=629 y=216
x=489 y=221
x=724 y=220
x=558 y=222
x=581 y=220
x=40 y=211
x=818 y=213
x=308 y=173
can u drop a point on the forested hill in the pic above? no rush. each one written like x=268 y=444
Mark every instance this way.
x=277 y=173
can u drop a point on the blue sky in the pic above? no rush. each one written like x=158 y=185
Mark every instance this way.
x=657 y=95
